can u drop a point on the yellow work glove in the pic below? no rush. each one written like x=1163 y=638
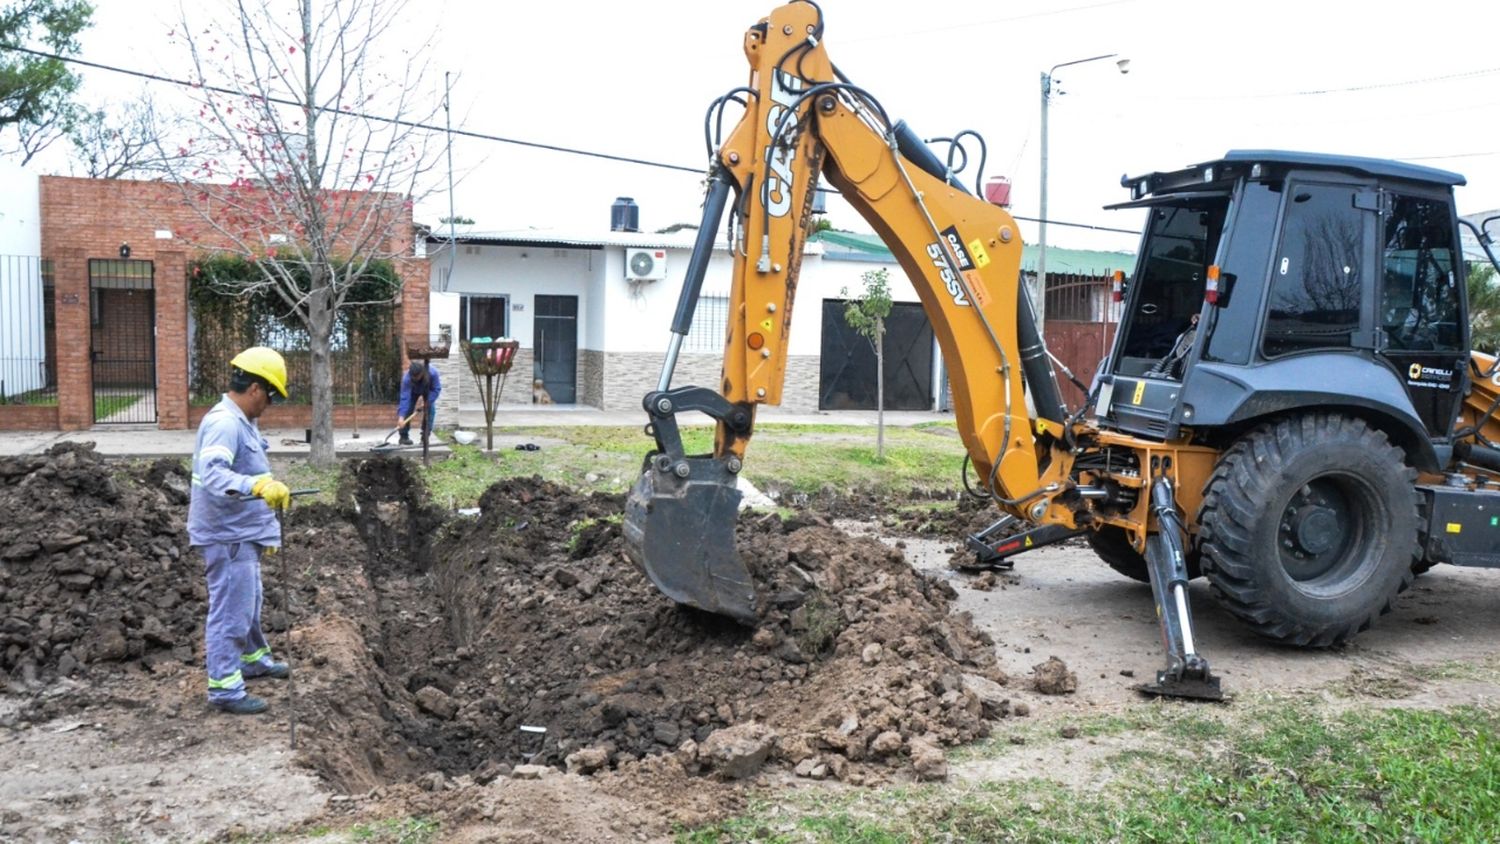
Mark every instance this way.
x=275 y=493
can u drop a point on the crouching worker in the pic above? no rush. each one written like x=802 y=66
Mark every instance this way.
x=232 y=521
x=420 y=388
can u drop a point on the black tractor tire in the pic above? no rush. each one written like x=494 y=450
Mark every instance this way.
x=1112 y=544
x=1309 y=528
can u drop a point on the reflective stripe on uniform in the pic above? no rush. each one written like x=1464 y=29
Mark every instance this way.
x=255 y=657
x=232 y=681
x=197 y=481
x=212 y=450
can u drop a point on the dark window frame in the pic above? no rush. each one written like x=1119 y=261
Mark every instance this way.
x=464 y=302
x=1455 y=271
x=1362 y=254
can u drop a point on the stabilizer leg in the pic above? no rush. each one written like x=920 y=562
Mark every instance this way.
x=1187 y=674
x=991 y=553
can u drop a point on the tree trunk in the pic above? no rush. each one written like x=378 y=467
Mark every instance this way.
x=880 y=390
x=320 y=336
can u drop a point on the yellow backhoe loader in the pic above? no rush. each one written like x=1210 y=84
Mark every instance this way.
x=1290 y=408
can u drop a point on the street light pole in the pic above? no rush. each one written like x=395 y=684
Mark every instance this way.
x=1039 y=292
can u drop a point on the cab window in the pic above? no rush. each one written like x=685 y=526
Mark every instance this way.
x=1181 y=241
x=1420 y=290
x=1316 y=286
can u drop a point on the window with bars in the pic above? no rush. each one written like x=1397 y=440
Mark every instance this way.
x=710 y=322
x=484 y=316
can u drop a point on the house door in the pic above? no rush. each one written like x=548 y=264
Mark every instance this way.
x=122 y=343
x=556 y=363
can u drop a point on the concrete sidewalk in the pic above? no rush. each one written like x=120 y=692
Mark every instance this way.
x=146 y=442
x=512 y=427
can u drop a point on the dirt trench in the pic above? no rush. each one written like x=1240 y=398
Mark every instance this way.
x=434 y=640
x=424 y=641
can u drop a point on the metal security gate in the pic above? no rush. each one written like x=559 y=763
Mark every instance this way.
x=122 y=346
x=846 y=377
x=28 y=365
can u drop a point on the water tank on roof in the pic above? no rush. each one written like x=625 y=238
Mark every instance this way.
x=624 y=215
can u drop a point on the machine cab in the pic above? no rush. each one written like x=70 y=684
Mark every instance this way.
x=1271 y=280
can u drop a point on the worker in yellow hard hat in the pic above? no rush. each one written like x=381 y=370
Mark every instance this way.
x=231 y=520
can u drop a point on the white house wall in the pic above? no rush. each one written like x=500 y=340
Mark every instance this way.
x=23 y=340
x=521 y=274
x=624 y=326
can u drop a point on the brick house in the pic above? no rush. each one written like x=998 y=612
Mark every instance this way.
x=115 y=269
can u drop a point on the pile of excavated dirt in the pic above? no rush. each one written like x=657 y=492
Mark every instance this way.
x=426 y=644
x=434 y=649
x=94 y=568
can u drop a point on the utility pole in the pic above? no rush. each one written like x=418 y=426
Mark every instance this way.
x=1039 y=292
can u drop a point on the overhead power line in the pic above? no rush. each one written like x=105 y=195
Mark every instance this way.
x=362 y=115
x=483 y=136
x=1320 y=92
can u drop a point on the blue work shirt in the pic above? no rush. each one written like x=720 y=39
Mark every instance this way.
x=229 y=458
x=409 y=402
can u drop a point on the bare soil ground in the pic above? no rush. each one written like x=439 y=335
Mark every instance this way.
x=424 y=642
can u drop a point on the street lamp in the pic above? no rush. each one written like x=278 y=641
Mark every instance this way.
x=1040 y=293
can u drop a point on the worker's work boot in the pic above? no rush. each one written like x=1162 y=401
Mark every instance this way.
x=404 y=441
x=247 y=705
x=274 y=671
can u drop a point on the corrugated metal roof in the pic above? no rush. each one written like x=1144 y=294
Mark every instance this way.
x=564 y=239
x=1058 y=260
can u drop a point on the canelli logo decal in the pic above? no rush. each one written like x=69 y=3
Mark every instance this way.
x=1429 y=377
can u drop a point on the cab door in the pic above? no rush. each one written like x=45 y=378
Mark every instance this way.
x=1422 y=333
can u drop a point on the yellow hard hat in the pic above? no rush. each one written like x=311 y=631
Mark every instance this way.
x=267 y=363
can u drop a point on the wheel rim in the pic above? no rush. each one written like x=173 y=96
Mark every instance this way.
x=1329 y=531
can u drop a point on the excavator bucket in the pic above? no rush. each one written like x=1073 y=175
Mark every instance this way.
x=679 y=529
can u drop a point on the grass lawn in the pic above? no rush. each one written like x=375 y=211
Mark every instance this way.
x=787 y=459
x=107 y=406
x=784 y=459
x=104 y=406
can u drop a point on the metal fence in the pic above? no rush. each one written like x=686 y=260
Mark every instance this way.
x=28 y=370
x=1081 y=298
x=366 y=354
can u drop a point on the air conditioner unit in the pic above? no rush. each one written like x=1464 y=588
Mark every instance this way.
x=645 y=264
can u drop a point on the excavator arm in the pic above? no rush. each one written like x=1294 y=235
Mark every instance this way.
x=962 y=254
x=802 y=121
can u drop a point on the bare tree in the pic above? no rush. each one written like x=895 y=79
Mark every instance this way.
x=35 y=135
x=132 y=141
x=311 y=169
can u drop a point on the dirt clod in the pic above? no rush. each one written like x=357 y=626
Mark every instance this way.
x=1053 y=677
x=737 y=752
x=587 y=760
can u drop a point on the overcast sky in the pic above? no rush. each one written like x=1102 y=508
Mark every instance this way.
x=1414 y=81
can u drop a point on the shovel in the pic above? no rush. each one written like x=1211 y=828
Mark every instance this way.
x=385 y=444
x=286 y=607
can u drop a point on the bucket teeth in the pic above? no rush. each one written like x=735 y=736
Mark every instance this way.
x=679 y=529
